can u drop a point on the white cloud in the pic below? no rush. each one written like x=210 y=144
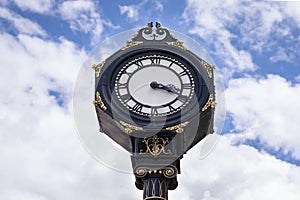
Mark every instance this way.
x=132 y=12
x=142 y=11
x=21 y=24
x=292 y=9
x=211 y=21
x=281 y=55
x=159 y=6
x=41 y=156
x=39 y=6
x=268 y=109
x=237 y=28
x=236 y=172
x=297 y=78
x=83 y=16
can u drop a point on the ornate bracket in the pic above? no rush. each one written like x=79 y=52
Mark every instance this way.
x=210 y=103
x=149 y=34
x=178 y=128
x=99 y=102
x=155 y=146
x=129 y=128
x=159 y=34
x=98 y=68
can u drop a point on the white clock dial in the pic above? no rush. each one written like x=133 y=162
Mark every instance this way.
x=154 y=85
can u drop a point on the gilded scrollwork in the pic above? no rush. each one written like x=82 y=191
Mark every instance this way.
x=98 y=67
x=179 y=128
x=149 y=33
x=129 y=128
x=210 y=103
x=155 y=146
x=131 y=43
x=170 y=172
x=141 y=172
x=209 y=68
x=98 y=101
x=178 y=44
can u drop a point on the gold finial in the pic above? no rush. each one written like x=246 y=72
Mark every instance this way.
x=150 y=24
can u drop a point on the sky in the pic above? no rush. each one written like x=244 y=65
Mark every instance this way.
x=255 y=46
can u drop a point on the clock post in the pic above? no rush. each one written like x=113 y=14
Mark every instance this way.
x=156 y=99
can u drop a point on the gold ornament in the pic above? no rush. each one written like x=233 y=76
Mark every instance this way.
x=99 y=102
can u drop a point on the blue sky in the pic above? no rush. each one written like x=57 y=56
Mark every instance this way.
x=254 y=44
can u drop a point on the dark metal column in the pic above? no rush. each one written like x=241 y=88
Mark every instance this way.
x=156 y=182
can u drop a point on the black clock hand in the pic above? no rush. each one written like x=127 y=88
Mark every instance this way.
x=169 y=87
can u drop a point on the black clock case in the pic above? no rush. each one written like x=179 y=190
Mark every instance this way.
x=200 y=122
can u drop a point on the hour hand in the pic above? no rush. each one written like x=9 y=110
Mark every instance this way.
x=169 y=87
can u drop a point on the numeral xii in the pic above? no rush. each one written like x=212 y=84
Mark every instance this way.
x=155 y=61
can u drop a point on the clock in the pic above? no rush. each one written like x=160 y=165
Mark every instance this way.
x=153 y=84
x=156 y=99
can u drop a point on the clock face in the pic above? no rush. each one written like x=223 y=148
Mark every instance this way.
x=154 y=85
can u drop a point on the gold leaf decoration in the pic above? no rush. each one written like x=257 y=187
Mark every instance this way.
x=178 y=128
x=178 y=44
x=98 y=68
x=155 y=146
x=209 y=68
x=131 y=43
x=99 y=102
x=210 y=103
x=129 y=128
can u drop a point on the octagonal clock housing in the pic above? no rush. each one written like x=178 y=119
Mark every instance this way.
x=153 y=85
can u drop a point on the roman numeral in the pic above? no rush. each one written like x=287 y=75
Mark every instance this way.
x=139 y=64
x=122 y=85
x=183 y=73
x=171 y=108
x=155 y=61
x=182 y=98
x=154 y=111
x=137 y=107
x=125 y=97
x=127 y=73
x=186 y=86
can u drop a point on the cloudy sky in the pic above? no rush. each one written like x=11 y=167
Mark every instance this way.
x=254 y=44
